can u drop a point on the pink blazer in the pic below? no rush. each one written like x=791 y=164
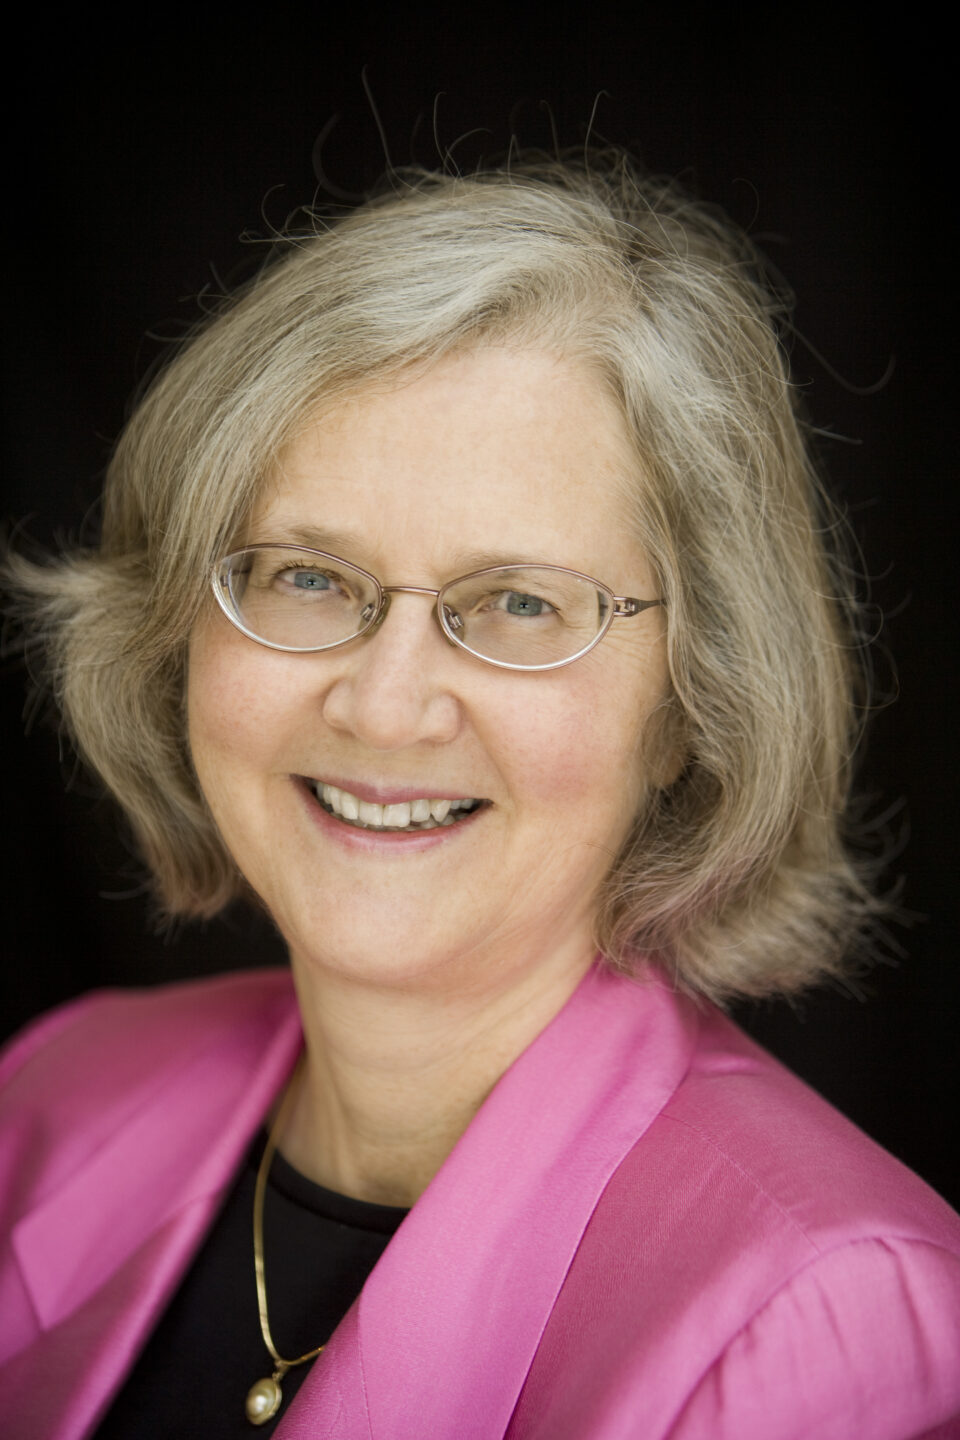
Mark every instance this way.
x=650 y=1229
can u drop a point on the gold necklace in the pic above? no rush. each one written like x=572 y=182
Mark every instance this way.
x=265 y=1397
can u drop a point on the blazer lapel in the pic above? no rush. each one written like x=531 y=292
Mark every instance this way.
x=102 y=1253
x=445 y=1330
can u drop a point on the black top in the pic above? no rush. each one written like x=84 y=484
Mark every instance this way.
x=207 y=1350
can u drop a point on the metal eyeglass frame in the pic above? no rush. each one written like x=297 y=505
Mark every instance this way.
x=620 y=606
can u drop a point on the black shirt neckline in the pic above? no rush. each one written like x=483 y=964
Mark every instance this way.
x=330 y=1204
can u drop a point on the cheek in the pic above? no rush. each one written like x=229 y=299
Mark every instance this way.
x=596 y=744
x=231 y=713
x=577 y=758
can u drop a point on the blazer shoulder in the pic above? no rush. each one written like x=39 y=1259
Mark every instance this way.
x=40 y=1031
x=115 y=1038
x=772 y=1143
x=127 y=1062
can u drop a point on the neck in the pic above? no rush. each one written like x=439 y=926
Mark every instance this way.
x=393 y=1076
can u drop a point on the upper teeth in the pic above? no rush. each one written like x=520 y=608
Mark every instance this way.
x=393 y=817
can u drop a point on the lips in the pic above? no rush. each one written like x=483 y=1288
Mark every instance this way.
x=393 y=813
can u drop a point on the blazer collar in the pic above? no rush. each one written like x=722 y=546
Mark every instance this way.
x=102 y=1252
x=180 y=1145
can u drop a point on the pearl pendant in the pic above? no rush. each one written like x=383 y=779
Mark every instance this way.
x=263 y=1401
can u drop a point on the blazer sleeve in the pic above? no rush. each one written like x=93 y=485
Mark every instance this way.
x=864 y=1341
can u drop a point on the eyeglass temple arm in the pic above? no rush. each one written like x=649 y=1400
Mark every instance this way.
x=627 y=605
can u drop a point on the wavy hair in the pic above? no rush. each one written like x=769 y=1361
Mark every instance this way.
x=735 y=874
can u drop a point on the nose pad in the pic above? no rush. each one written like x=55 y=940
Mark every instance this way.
x=452 y=619
x=378 y=618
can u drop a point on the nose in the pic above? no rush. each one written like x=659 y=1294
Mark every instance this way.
x=392 y=688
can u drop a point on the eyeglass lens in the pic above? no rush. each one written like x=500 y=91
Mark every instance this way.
x=525 y=615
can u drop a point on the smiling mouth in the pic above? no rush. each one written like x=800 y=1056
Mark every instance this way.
x=409 y=818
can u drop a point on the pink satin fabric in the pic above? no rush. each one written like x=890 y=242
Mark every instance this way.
x=650 y=1229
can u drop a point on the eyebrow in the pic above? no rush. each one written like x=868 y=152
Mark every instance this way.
x=333 y=541
x=348 y=545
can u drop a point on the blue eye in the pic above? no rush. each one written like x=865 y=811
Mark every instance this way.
x=310 y=580
x=516 y=603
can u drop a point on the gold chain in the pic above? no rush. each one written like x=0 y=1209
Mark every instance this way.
x=265 y=1397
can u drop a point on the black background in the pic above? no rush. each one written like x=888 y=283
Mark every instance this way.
x=136 y=161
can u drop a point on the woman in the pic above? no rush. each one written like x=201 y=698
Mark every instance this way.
x=463 y=598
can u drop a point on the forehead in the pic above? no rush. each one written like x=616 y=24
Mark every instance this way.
x=491 y=454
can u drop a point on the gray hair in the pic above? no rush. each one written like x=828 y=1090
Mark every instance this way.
x=735 y=874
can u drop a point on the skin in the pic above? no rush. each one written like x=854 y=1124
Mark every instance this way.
x=424 y=969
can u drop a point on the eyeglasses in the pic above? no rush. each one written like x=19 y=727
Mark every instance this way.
x=520 y=617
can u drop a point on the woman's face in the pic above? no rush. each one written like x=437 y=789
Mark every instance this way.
x=493 y=456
